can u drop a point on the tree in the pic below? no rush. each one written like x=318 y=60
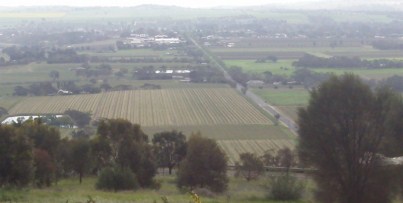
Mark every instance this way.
x=80 y=158
x=16 y=158
x=205 y=165
x=341 y=132
x=170 y=148
x=3 y=111
x=101 y=152
x=250 y=167
x=20 y=91
x=121 y=143
x=54 y=75
x=286 y=158
x=44 y=168
x=43 y=137
x=81 y=119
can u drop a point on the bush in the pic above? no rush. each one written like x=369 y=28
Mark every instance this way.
x=12 y=194
x=285 y=188
x=117 y=179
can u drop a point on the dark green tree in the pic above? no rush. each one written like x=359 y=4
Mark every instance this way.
x=341 y=133
x=205 y=165
x=81 y=119
x=16 y=158
x=3 y=111
x=124 y=144
x=101 y=153
x=54 y=75
x=43 y=136
x=170 y=148
x=250 y=166
x=80 y=157
x=44 y=168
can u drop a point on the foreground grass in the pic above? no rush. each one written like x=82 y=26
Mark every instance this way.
x=69 y=190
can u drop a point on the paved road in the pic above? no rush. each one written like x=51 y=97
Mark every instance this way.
x=273 y=111
x=259 y=101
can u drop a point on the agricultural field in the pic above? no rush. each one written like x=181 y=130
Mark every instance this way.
x=291 y=49
x=285 y=68
x=35 y=72
x=281 y=67
x=134 y=53
x=285 y=99
x=219 y=113
x=236 y=139
x=170 y=107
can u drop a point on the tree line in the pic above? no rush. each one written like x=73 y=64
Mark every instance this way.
x=120 y=154
x=311 y=61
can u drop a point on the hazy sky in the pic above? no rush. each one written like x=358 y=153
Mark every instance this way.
x=185 y=3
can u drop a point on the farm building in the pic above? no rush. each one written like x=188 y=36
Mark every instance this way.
x=255 y=83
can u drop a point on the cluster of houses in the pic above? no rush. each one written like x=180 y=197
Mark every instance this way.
x=142 y=40
x=181 y=75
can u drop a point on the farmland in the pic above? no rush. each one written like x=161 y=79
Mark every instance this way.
x=285 y=99
x=219 y=113
x=285 y=68
x=252 y=49
x=281 y=67
x=154 y=107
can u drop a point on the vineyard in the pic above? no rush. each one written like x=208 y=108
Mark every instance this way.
x=219 y=113
x=168 y=107
x=236 y=139
x=235 y=147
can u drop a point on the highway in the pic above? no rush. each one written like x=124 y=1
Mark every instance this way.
x=285 y=120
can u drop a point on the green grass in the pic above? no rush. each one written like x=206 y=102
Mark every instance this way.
x=9 y=102
x=252 y=50
x=275 y=68
x=290 y=111
x=284 y=96
x=360 y=17
x=133 y=53
x=296 y=48
x=284 y=99
x=281 y=67
x=35 y=72
x=69 y=190
x=165 y=84
x=376 y=74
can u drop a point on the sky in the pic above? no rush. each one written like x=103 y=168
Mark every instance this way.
x=124 y=3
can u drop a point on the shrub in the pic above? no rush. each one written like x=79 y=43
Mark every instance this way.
x=285 y=188
x=117 y=179
x=12 y=194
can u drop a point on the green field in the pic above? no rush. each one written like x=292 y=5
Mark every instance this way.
x=284 y=96
x=285 y=68
x=69 y=190
x=294 y=50
x=8 y=102
x=285 y=99
x=133 y=53
x=281 y=67
x=35 y=72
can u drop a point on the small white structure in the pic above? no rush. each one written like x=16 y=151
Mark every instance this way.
x=64 y=92
x=255 y=83
x=16 y=119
